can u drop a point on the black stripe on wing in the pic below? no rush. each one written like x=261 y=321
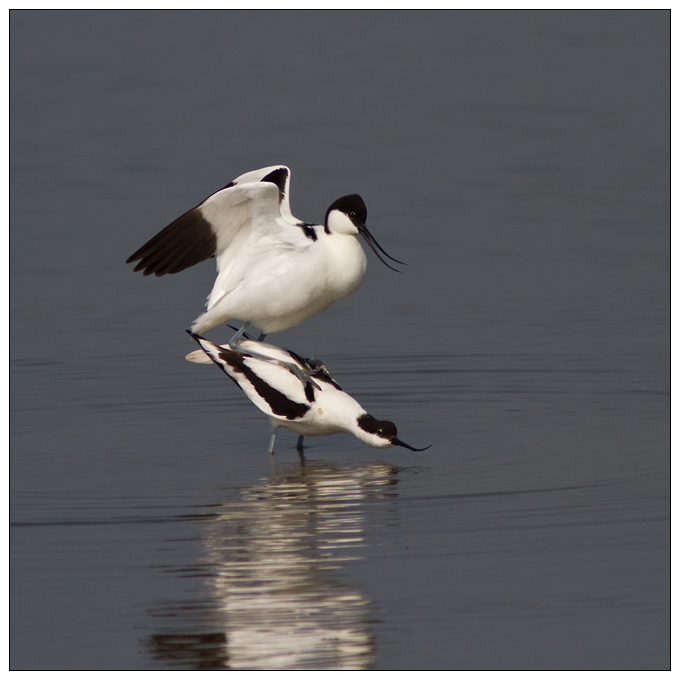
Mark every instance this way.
x=185 y=242
x=278 y=402
x=278 y=177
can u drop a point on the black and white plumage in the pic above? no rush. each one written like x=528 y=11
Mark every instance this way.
x=274 y=271
x=306 y=410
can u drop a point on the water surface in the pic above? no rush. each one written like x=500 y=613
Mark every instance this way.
x=518 y=162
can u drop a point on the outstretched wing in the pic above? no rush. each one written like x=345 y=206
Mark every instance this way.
x=210 y=227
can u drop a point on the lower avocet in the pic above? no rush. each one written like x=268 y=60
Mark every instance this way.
x=310 y=410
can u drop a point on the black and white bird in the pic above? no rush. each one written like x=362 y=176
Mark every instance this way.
x=306 y=410
x=274 y=271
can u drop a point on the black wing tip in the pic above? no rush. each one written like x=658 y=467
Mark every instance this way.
x=141 y=266
x=136 y=257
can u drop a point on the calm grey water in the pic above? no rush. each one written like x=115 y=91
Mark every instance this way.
x=518 y=162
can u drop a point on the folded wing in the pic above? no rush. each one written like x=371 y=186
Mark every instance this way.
x=268 y=384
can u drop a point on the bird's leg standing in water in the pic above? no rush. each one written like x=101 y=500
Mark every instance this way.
x=271 y=442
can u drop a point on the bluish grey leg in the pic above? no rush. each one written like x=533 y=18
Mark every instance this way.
x=233 y=343
x=272 y=440
x=303 y=375
x=300 y=447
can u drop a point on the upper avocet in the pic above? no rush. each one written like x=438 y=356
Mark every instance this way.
x=274 y=271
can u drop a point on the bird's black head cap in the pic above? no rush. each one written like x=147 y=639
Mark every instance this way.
x=353 y=206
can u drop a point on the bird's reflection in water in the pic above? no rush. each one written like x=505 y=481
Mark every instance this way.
x=275 y=570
